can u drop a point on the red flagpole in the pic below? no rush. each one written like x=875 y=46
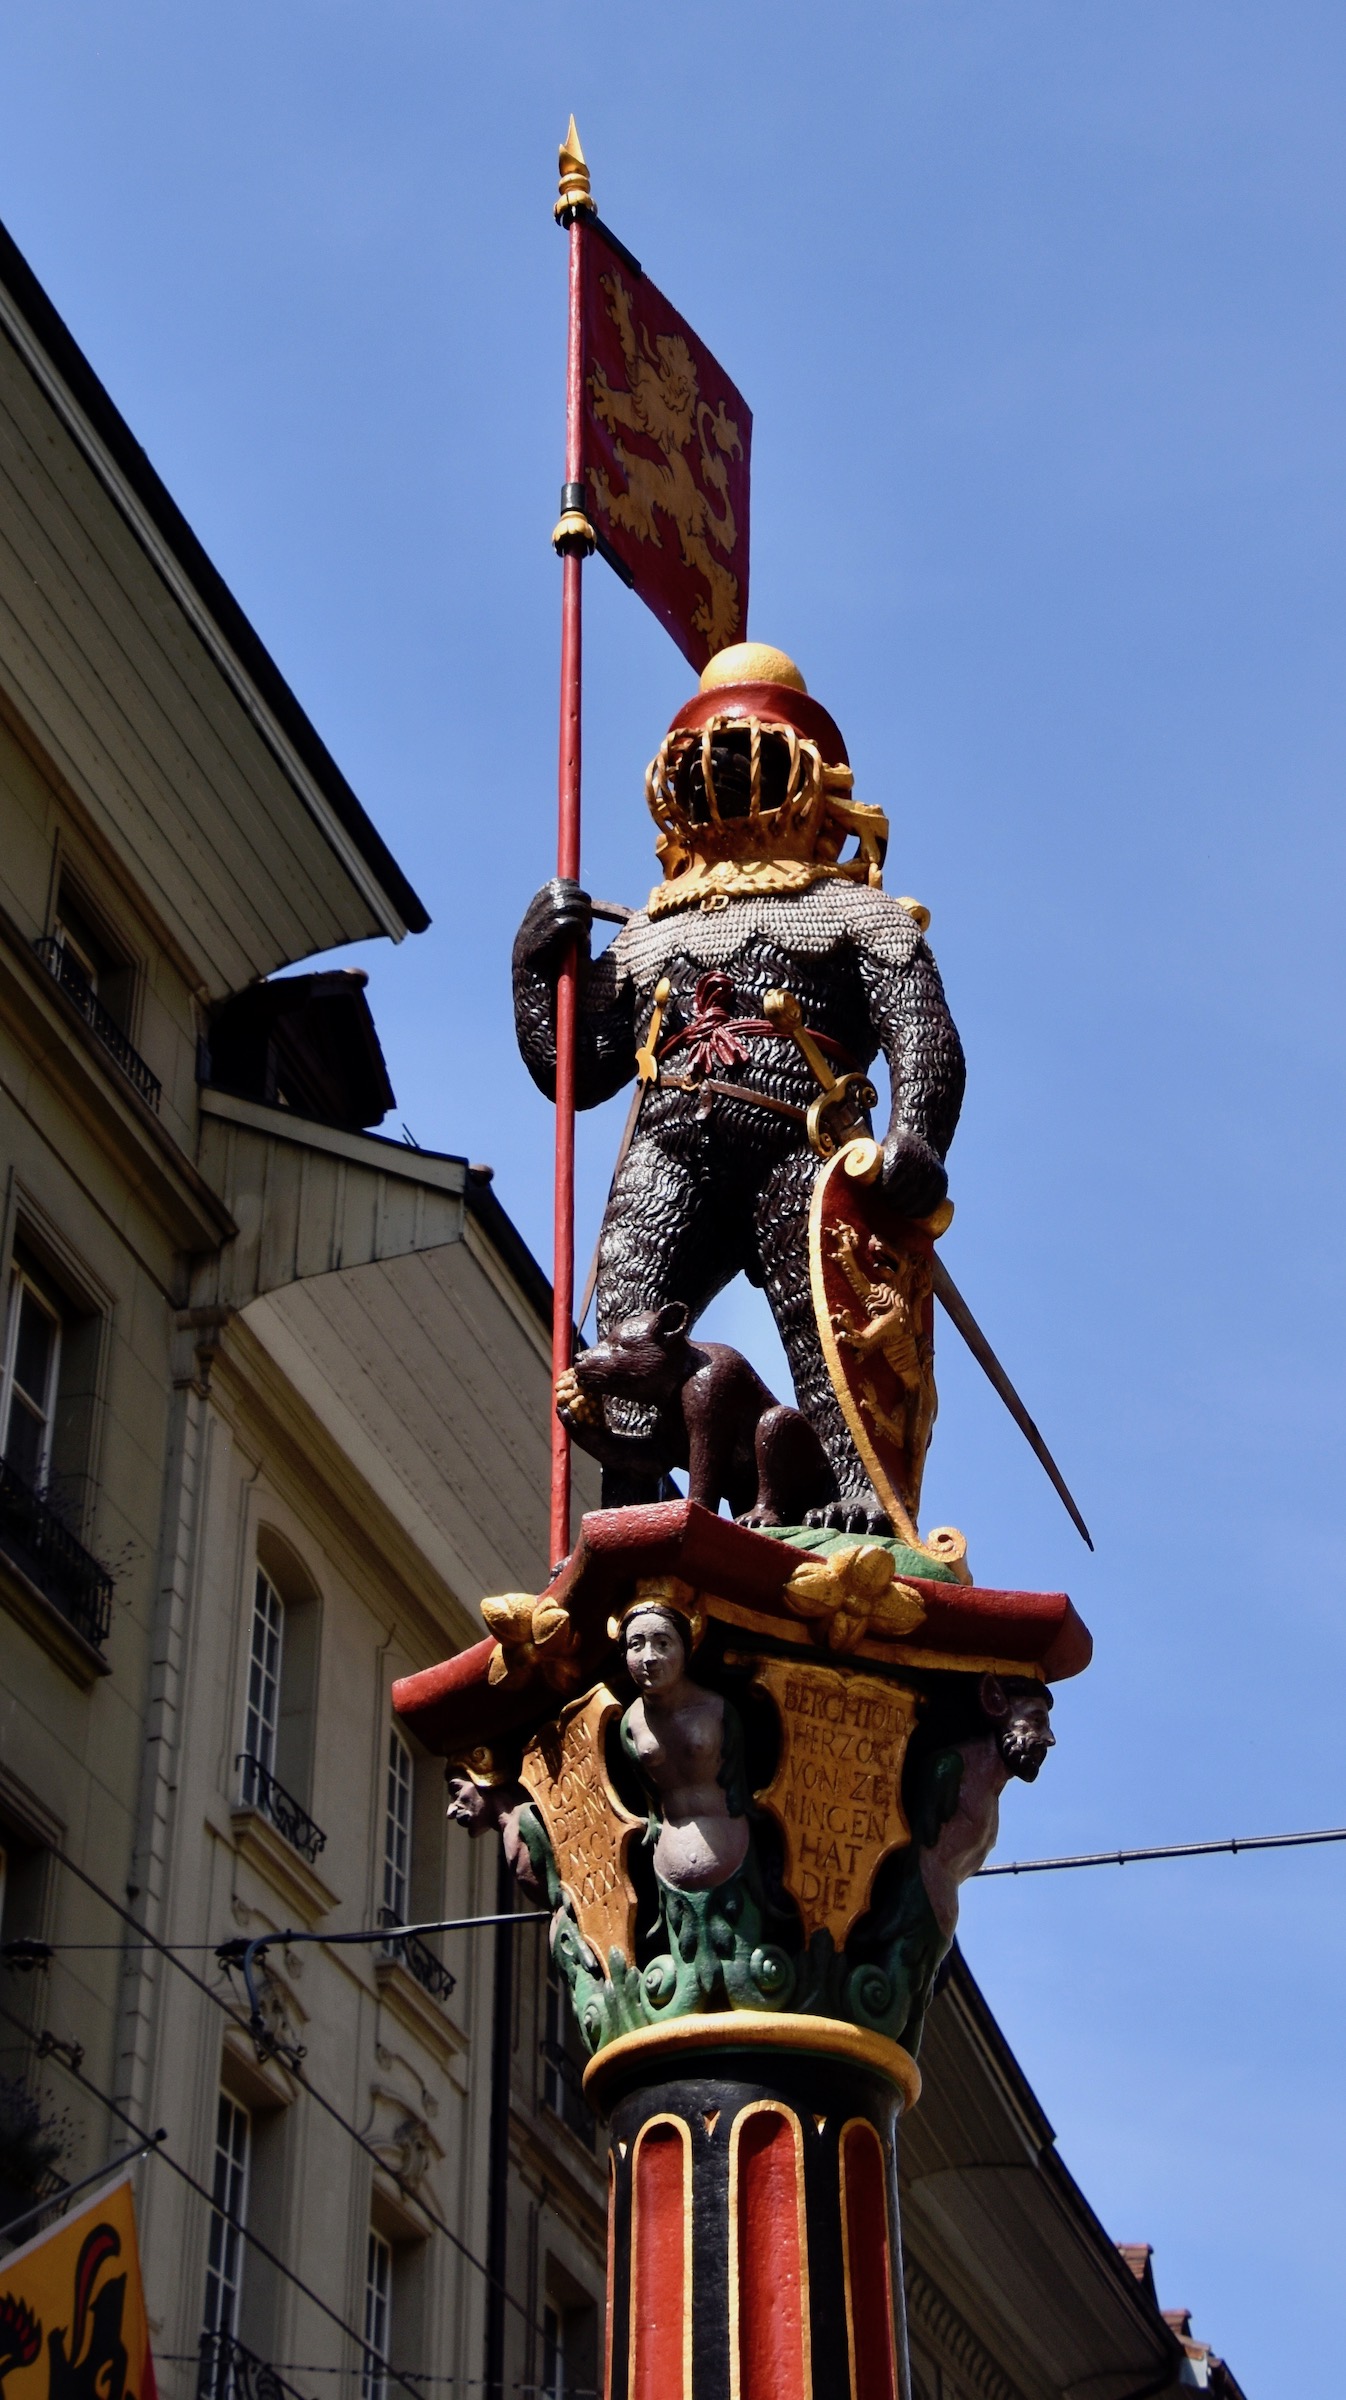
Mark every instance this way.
x=574 y=539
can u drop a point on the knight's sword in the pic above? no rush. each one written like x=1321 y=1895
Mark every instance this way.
x=956 y=1308
x=951 y=1299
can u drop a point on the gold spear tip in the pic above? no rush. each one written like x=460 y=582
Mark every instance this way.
x=575 y=191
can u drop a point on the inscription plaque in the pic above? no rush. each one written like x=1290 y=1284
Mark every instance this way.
x=837 y=1792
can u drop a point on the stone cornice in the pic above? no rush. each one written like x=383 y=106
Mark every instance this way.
x=257 y=1841
x=939 y=2323
x=41 y=1617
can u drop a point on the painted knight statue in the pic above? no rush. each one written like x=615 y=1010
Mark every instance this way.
x=748 y=1759
x=750 y=997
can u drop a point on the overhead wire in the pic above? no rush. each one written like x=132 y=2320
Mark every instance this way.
x=241 y=1953
x=25 y=1952
x=458 y=2383
x=70 y=2056
x=1126 y=1858
x=71 y=2191
x=218 y=1999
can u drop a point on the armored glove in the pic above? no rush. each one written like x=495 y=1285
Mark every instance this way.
x=913 y=1173
x=554 y=918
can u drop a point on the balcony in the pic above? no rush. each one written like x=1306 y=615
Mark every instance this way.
x=62 y=968
x=260 y=1790
x=418 y=1958
x=229 y=2371
x=42 y=1547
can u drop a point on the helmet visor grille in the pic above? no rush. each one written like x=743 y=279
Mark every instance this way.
x=730 y=774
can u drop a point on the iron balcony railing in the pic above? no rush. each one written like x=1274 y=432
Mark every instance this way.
x=259 y=1789
x=41 y=1544
x=418 y=1959
x=59 y=964
x=563 y=2090
x=230 y=2371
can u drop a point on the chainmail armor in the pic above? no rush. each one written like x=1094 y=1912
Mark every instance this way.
x=707 y=1192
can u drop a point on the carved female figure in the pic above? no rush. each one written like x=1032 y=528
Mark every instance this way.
x=686 y=1744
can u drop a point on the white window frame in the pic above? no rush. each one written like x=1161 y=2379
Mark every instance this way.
x=553 y=2352
x=378 y=2323
x=398 y=1818
x=224 y=2252
x=266 y=1658
x=553 y=2024
x=20 y=1281
x=67 y=940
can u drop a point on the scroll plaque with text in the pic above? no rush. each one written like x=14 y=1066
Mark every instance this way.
x=837 y=1792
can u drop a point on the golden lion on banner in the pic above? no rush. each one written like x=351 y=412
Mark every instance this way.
x=662 y=402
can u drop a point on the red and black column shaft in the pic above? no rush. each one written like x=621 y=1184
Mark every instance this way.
x=754 y=2243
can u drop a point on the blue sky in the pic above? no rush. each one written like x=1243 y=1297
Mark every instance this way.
x=1038 y=304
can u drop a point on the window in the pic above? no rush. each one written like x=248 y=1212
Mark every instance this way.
x=569 y=2351
x=413 y=1870
x=553 y=2358
x=224 y=2257
x=100 y=978
x=397 y=1832
x=564 y=2057
x=28 y=1386
x=275 y=1762
x=24 y=1894
x=78 y=949
x=378 y=2317
x=263 y=1711
x=26 y=1890
x=49 y=1373
x=88 y=962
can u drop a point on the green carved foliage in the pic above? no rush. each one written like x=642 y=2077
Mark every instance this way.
x=739 y=1946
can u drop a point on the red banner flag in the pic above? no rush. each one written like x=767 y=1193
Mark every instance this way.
x=667 y=440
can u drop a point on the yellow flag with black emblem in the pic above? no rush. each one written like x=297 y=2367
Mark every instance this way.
x=72 y=2308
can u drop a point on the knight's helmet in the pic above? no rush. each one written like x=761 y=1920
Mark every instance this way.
x=751 y=789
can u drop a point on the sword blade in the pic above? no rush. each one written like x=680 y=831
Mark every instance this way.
x=956 y=1309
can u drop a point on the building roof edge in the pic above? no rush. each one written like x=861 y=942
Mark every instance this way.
x=146 y=503
x=505 y=1238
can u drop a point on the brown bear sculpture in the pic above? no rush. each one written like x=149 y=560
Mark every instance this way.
x=702 y=1408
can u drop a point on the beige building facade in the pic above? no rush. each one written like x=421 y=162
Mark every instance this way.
x=273 y=1415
